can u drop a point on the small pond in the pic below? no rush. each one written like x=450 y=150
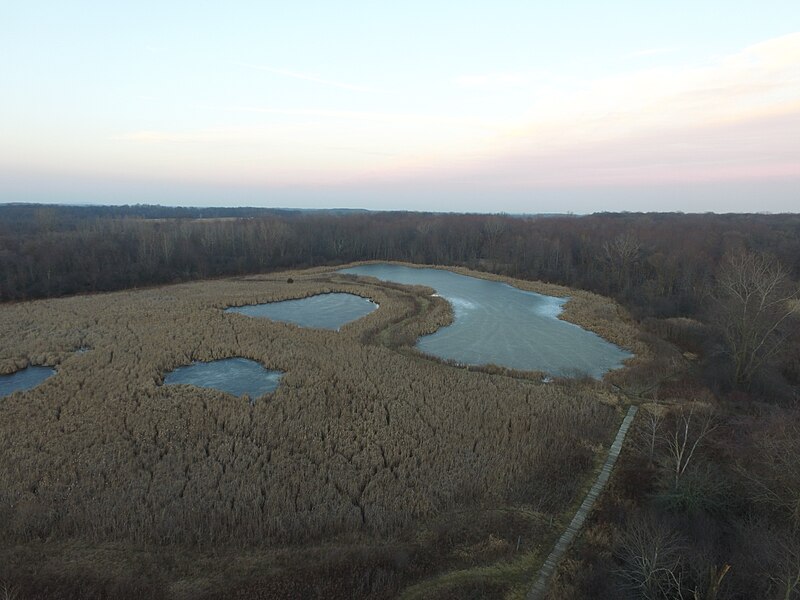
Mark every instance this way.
x=323 y=311
x=500 y=324
x=24 y=379
x=236 y=376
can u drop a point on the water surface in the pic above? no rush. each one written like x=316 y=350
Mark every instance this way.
x=24 y=379
x=496 y=323
x=236 y=376
x=323 y=311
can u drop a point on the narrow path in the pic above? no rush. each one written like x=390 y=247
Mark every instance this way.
x=539 y=588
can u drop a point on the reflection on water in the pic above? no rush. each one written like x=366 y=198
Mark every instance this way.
x=323 y=311
x=24 y=379
x=500 y=324
x=236 y=376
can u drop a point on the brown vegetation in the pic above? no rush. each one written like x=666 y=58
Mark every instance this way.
x=103 y=428
x=360 y=445
x=633 y=258
x=704 y=504
x=754 y=296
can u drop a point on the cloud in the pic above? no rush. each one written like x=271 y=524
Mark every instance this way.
x=312 y=78
x=493 y=80
x=322 y=112
x=652 y=52
x=735 y=116
x=357 y=115
x=760 y=81
x=182 y=137
x=763 y=148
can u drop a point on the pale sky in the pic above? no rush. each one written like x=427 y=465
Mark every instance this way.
x=449 y=106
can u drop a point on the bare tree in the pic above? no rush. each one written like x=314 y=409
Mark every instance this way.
x=655 y=565
x=754 y=296
x=651 y=559
x=774 y=472
x=785 y=578
x=649 y=430
x=493 y=229
x=715 y=577
x=621 y=254
x=7 y=591
x=684 y=438
x=774 y=556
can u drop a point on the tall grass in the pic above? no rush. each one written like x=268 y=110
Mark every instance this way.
x=358 y=441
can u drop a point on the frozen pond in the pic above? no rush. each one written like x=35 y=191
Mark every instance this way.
x=323 y=311
x=500 y=324
x=24 y=379
x=236 y=376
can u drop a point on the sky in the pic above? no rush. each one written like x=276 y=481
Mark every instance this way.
x=519 y=107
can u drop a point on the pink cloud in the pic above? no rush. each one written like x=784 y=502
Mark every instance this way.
x=763 y=148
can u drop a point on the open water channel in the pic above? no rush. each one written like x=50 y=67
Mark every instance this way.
x=24 y=379
x=236 y=376
x=496 y=323
x=323 y=311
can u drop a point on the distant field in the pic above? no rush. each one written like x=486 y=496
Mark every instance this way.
x=369 y=469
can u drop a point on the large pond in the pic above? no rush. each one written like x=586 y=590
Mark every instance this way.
x=24 y=379
x=500 y=324
x=237 y=376
x=323 y=311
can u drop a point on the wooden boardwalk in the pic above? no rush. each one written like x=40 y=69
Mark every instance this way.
x=537 y=592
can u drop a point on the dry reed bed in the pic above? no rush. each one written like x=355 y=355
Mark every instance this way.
x=358 y=440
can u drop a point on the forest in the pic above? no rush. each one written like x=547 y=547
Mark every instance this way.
x=389 y=473
x=659 y=265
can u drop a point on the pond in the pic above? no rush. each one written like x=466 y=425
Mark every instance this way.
x=24 y=379
x=323 y=311
x=496 y=323
x=236 y=376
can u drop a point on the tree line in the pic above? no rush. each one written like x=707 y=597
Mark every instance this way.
x=659 y=266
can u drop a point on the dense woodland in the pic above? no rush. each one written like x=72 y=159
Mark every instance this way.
x=656 y=264
x=704 y=503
